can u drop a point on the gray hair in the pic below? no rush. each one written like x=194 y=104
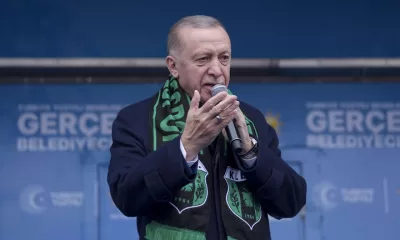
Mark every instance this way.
x=197 y=21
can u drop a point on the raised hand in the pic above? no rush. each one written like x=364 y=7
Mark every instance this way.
x=202 y=125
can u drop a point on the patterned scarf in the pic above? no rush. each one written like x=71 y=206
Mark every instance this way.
x=168 y=117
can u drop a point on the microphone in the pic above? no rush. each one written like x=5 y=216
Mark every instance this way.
x=233 y=137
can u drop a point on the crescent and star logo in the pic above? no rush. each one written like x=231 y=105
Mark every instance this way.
x=324 y=195
x=33 y=199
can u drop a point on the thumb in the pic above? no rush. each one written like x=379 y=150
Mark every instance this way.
x=194 y=104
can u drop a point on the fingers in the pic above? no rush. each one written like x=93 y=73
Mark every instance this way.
x=194 y=104
x=240 y=120
x=227 y=111
x=228 y=104
x=225 y=120
x=213 y=101
x=228 y=114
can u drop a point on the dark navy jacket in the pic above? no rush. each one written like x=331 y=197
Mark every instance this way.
x=141 y=183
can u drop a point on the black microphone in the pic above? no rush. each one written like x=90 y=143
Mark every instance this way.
x=233 y=137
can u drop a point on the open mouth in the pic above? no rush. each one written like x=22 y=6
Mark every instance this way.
x=208 y=86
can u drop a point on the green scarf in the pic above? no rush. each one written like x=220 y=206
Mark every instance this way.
x=168 y=117
x=169 y=113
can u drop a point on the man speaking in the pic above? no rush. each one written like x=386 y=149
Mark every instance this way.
x=173 y=165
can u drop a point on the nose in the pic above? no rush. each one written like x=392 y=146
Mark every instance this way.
x=215 y=69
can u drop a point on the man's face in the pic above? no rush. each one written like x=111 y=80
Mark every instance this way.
x=203 y=61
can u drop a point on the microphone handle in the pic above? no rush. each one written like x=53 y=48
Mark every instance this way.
x=234 y=139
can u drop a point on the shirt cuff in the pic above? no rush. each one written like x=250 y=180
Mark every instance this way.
x=249 y=162
x=190 y=163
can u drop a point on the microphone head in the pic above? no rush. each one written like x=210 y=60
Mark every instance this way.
x=218 y=88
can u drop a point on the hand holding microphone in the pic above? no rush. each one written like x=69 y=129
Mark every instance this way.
x=230 y=129
x=203 y=124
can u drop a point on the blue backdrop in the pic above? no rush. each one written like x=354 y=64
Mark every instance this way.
x=343 y=138
x=266 y=29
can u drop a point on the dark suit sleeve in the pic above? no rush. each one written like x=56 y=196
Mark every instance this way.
x=280 y=189
x=139 y=181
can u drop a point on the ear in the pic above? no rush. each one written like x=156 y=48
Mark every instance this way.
x=171 y=64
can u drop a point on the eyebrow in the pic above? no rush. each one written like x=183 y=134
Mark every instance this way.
x=226 y=52
x=204 y=52
x=201 y=52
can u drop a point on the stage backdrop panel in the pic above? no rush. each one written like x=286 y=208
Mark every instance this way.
x=343 y=138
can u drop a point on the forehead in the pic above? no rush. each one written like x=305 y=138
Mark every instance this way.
x=195 y=40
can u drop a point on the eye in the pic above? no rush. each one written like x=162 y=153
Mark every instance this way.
x=224 y=58
x=202 y=59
